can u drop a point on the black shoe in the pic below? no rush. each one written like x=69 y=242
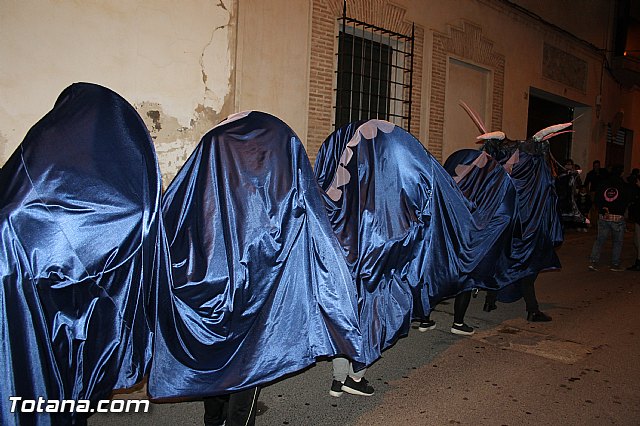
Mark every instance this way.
x=538 y=316
x=462 y=329
x=336 y=389
x=489 y=306
x=427 y=325
x=357 y=388
x=635 y=266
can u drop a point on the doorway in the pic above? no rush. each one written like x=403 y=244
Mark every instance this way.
x=543 y=113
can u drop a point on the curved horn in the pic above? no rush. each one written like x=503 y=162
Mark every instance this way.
x=493 y=135
x=549 y=132
x=475 y=117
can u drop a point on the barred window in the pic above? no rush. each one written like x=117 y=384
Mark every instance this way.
x=374 y=74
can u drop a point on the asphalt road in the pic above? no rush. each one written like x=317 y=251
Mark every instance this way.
x=583 y=368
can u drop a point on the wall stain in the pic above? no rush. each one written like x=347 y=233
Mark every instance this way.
x=175 y=143
x=155 y=116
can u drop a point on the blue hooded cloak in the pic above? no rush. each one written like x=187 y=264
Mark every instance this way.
x=260 y=287
x=80 y=225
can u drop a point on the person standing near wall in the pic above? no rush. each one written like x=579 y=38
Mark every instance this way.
x=595 y=177
x=611 y=200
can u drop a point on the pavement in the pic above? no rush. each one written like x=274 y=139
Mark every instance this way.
x=583 y=368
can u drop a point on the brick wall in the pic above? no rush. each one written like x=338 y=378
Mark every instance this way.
x=324 y=27
x=465 y=43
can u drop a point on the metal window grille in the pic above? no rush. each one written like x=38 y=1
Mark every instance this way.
x=619 y=138
x=374 y=74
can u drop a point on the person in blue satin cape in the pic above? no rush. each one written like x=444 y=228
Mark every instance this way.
x=539 y=229
x=236 y=409
x=406 y=228
x=259 y=285
x=81 y=234
x=486 y=184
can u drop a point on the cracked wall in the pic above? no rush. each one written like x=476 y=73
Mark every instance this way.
x=173 y=61
x=175 y=142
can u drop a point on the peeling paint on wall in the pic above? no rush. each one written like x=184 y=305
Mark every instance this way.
x=173 y=137
x=175 y=143
x=216 y=67
x=174 y=61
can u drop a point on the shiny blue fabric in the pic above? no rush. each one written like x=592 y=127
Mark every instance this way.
x=405 y=226
x=260 y=285
x=488 y=186
x=79 y=218
x=539 y=230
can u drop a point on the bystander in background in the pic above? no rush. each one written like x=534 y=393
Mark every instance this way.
x=611 y=200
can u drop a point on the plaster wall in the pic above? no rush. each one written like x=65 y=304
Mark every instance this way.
x=586 y=19
x=172 y=60
x=273 y=59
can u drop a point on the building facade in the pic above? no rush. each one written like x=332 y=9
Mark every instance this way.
x=187 y=65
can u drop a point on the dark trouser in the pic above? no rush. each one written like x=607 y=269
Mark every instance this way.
x=460 y=306
x=236 y=409
x=528 y=289
x=491 y=297
x=527 y=286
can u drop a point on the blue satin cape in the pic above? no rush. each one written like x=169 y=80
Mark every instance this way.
x=79 y=217
x=492 y=192
x=540 y=229
x=405 y=226
x=260 y=285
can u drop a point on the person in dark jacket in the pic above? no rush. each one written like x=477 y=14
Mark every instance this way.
x=592 y=181
x=611 y=200
x=595 y=177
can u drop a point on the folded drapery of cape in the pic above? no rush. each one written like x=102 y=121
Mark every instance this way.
x=490 y=189
x=79 y=219
x=260 y=287
x=407 y=230
x=533 y=249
